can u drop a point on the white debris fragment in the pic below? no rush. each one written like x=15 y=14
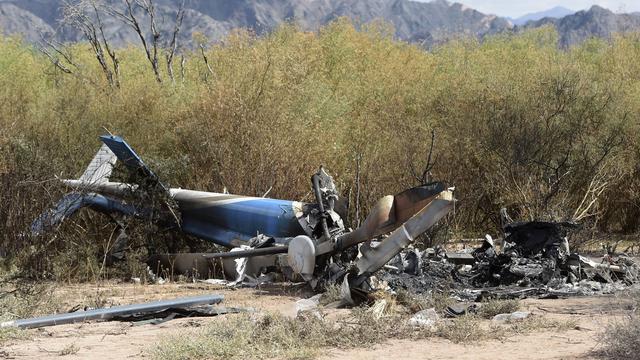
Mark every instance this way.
x=308 y=304
x=214 y=281
x=377 y=309
x=425 y=318
x=515 y=316
x=154 y=278
x=345 y=292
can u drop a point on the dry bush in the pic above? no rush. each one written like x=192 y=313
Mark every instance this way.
x=518 y=122
x=467 y=329
x=536 y=323
x=472 y=328
x=332 y=293
x=621 y=338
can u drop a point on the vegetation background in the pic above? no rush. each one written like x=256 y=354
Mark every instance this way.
x=518 y=123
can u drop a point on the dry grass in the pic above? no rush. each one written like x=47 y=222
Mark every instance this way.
x=70 y=349
x=11 y=334
x=23 y=300
x=331 y=294
x=472 y=328
x=494 y=307
x=275 y=336
x=27 y=301
x=537 y=323
x=414 y=302
x=465 y=329
x=621 y=339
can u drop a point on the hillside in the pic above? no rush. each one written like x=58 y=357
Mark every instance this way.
x=595 y=22
x=426 y=23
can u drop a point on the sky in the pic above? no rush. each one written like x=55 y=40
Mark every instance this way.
x=517 y=8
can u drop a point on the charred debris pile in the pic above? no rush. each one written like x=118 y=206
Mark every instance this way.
x=534 y=261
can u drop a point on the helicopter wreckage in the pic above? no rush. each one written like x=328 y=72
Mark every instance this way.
x=303 y=240
x=309 y=241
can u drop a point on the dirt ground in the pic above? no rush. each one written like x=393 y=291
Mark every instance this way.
x=120 y=340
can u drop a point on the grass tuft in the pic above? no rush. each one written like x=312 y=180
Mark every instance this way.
x=70 y=349
x=494 y=307
x=465 y=329
x=621 y=339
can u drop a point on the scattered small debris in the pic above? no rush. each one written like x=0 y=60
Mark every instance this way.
x=514 y=316
x=309 y=304
x=425 y=318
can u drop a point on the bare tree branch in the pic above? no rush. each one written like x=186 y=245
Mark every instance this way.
x=54 y=60
x=92 y=27
x=358 y=169
x=129 y=17
x=206 y=59
x=173 y=45
x=183 y=63
x=425 y=177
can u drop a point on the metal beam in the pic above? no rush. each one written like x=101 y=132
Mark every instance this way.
x=248 y=253
x=106 y=314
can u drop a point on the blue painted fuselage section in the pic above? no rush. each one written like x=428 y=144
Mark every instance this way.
x=229 y=220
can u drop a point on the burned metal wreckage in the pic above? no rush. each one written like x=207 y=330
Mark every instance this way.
x=534 y=261
x=310 y=241
x=302 y=239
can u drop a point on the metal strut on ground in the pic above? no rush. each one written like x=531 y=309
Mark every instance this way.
x=105 y=314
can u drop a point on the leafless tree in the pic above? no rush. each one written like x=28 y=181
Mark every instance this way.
x=61 y=58
x=86 y=17
x=183 y=62
x=58 y=56
x=425 y=176
x=206 y=60
x=173 y=45
x=131 y=16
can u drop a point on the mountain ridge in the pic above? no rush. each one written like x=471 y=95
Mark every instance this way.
x=595 y=22
x=554 y=12
x=425 y=23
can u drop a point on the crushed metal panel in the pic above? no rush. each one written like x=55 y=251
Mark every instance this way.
x=460 y=258
x=73 y=202
x=374 y=259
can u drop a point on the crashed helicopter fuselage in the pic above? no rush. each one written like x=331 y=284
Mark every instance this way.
x=268 y=232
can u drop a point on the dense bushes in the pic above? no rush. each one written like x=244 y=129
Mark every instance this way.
x=544 y=132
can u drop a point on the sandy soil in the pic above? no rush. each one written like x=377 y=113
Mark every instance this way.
x=591 y=313
x=119 y=340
